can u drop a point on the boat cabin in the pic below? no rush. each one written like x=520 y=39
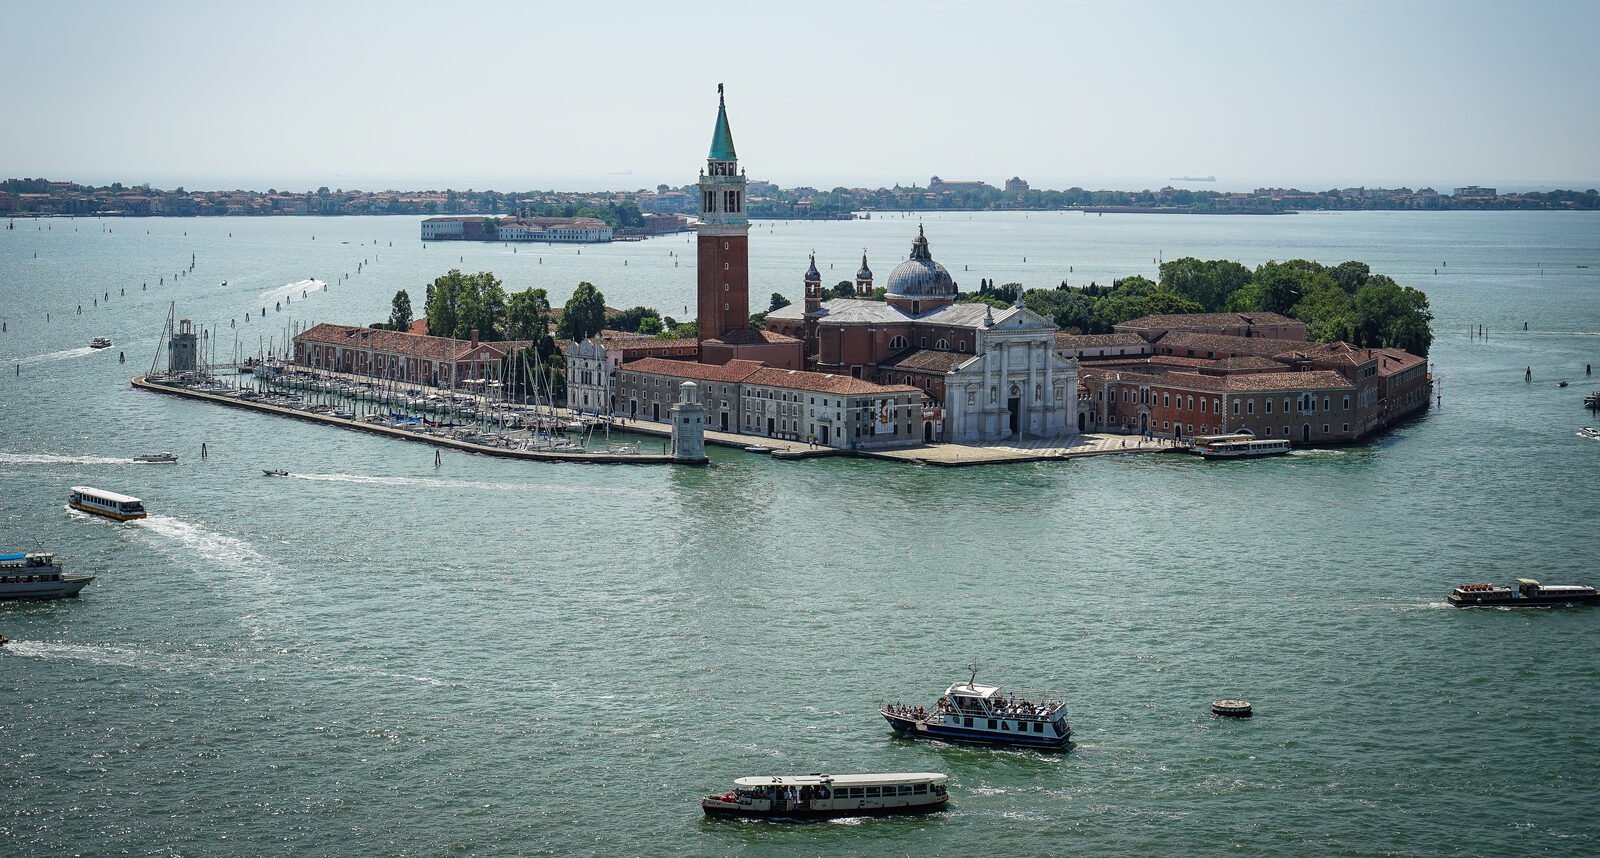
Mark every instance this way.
x=818 y=795
x=30 y=568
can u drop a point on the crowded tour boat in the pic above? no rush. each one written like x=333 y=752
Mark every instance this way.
x=156 y=459
x=38 y=575
x=819 y=796
x=1528 y=594
x=1239 y=446
x=987 y=714
x=109 y=504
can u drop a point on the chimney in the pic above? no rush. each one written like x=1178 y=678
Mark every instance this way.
x=474 y=337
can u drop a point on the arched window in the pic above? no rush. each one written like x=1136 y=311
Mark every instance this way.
x=898 y=343
x=942 y=345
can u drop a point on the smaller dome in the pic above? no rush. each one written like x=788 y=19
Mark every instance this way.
x=812 y=274
x=865 y=273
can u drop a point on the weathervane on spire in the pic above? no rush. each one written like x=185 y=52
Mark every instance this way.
x=719 y=92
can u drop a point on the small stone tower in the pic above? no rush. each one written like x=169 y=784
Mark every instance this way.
x=688 y=426
x=183 y=351
x=864 y=279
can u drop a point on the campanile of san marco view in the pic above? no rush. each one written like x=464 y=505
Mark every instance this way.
x=724 y=237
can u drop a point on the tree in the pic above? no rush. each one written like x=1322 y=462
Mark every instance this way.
x=778 y=302
x=584 y=314
x=1329 y=314
x=843 y=289
x=632 y=318
x=1393 y=316
x=650 y=325
x=400 y=311
x=459 y=304
x=1208 y=283
x=527 y=314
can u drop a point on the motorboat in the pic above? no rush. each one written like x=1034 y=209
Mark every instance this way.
x=986 y=715
x=157 y=458
x=100 y=343
x=274 y=472
x=1528 y=594
x=109 y=504
x=1589 y=432
x=758 y=448
x=821 y=796
x=37 y=576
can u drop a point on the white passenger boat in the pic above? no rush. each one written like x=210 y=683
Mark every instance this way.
x=34 y=576
x=100 y=343
x=109 y=504
x=987 y=715
x=157 y=459
x=1240 y=446
x=819 y=796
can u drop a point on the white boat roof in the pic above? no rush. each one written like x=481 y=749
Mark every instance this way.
x=105 y=495
x=842 y=780
x=968 y=689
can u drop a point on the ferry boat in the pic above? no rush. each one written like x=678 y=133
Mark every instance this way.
x=100 y=343
x=819 y=796
x=987 y=715
x=38 y=575
x=157 y=459
x=1528 y=594
x=109 y=504
x=1239 y=446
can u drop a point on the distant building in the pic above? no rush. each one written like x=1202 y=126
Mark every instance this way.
x=592 y=364
x=483 y=228
x=940 y=186
x=1016 y=188
x=436 y=361
x=1475 y=192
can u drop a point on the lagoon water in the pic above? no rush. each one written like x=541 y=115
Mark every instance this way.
x=378 y=656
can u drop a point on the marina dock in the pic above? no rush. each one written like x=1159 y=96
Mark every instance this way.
x=596 y=458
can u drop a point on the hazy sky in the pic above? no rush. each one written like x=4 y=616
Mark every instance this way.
x=623 y=95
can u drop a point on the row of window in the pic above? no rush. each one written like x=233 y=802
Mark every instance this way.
x=880 y=792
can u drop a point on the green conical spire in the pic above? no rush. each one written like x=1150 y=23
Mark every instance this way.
x=722 y=138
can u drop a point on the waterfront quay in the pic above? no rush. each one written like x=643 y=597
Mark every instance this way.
x=235 y=397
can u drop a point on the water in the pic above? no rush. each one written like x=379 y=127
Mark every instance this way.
x=491 y=657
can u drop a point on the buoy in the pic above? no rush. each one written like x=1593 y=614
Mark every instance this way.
x=1232 y=708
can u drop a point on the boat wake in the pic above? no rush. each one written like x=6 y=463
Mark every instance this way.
x=292 y=290
x=1318 y=453
x=55 y=356
x=108 y=656
x=51 y=459
x=227 y=550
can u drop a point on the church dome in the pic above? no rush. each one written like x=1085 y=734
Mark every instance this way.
x=920 y=276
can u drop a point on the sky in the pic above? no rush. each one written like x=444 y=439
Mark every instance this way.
x=622 y=95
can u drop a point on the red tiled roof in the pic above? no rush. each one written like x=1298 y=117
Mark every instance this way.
x=1208 y=320
x=930 y=360
x=1179 y=341
x=1096 y=341
x=820 y=382
x=1391 y=361
x=1322 y=379
x=752 y=337
x=732 y=371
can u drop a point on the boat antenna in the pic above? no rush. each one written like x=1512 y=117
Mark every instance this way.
x=972 y=682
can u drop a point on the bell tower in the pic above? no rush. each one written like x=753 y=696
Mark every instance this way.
x=864 y=279
x=813 y=314
x=724 y=236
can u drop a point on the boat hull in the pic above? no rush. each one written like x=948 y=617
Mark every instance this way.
x=67 y=588
x=1516 y=601
x=722 y=810
x=973 y=736
x=105 y=513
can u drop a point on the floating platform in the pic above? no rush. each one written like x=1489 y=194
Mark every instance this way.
x=1232 y=708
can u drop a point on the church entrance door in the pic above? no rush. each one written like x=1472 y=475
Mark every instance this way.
x=825 y=436
x=771 y=424
x=927 y=431
x=724 y=421
x=1014 y=405
x=1081 y=423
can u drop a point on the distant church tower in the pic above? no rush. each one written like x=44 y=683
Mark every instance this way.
x=864 y=279
x=724 y=237
x=813 y=313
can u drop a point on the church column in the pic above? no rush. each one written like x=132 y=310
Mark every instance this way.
x=1052 y=414
x=1005 y=390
